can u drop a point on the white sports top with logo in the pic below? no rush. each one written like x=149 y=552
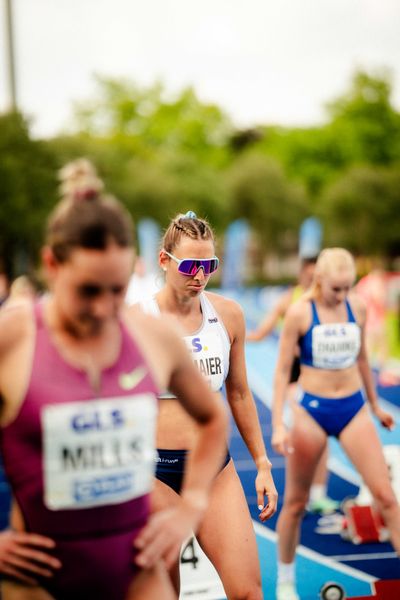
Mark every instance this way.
x=209 y=345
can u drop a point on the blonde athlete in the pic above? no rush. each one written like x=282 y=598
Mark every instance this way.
x=214 y=331
x=328 y=325
x=319 y=501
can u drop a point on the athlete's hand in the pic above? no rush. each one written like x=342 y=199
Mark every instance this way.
x=23 y=555
x=265 y=487
x=163 y=535
x=385 y=418
x=280 y=440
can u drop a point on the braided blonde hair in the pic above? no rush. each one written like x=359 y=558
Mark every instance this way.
x=189 y=225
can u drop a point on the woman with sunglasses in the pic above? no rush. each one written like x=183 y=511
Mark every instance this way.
x=79 y=385
x=327 y=323
x=214 y=331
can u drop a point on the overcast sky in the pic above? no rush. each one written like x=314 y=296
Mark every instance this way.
x=261 y=61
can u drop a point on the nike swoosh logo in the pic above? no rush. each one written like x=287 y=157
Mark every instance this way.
x=127 y=381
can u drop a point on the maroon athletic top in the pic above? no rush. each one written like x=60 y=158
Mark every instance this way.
x=73 y=459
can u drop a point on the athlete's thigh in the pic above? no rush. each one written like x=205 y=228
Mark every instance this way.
x=152 y=584
x=11 y=590
x=227 y=535
x=306 y=445
x=361 y=443
x=162 y=496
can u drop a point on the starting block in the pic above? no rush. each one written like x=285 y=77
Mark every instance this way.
x=363 y=524
x=388 y=589
x=392 y=459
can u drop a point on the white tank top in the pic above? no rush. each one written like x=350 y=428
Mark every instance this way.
x=209 y=345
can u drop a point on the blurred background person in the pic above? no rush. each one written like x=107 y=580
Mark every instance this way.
x=142 y=284
x=373 y=288
x=22 y=289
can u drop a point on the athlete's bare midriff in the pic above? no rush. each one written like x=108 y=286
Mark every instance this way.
x=330 y=383
x=176 y=430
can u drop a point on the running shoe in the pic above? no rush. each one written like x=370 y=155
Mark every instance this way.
x=324 y=506
x=286 y=591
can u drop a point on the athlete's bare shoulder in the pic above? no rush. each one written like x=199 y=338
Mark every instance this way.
x=15 y=325
x=225 y=306
x=299 y=308
x=231 y=314
x=298 y=315
x=358 y=306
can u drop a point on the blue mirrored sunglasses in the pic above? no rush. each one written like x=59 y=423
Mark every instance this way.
x=191 y=266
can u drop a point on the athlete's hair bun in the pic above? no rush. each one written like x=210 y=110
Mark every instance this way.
x=79 y=181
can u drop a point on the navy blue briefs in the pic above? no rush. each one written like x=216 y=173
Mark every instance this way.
x=170 y=467
x=332 y=414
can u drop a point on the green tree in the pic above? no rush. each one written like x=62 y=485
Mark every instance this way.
x=361 y=211
x=159 y=155
x=362 y=127
x=147 y=122
x=365 y=124
x=28 y=191
x=259 y=191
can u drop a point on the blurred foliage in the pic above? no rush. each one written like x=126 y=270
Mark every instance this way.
x=162 y=155
x=363 y=211
x=363 y=128
x=365 y=124
x=28 y=185
x=260 y=192
x=147 y=123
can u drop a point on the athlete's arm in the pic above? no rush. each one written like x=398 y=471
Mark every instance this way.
x=287 y=352
x=384 y=417
x=22 y=555
x=167 y=529
x=271 y=319
x=14 y=325
x=244 y=409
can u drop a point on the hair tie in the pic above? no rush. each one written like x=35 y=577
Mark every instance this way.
x=190 y=215
x=85 y=195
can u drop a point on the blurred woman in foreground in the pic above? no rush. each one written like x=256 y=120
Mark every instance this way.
x=79 y=386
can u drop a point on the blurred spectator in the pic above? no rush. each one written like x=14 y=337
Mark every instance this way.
x=373 y=289
x=22 y=289
x=143 y=283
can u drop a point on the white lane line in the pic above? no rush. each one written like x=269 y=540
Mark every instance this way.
x=270 y=535
x=371 y=556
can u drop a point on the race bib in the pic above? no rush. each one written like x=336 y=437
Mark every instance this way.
x=336 y=345
x=99 y=452
x=207 y=353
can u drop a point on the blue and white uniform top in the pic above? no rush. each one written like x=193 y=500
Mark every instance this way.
x=209 y=345
x=331 y=346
